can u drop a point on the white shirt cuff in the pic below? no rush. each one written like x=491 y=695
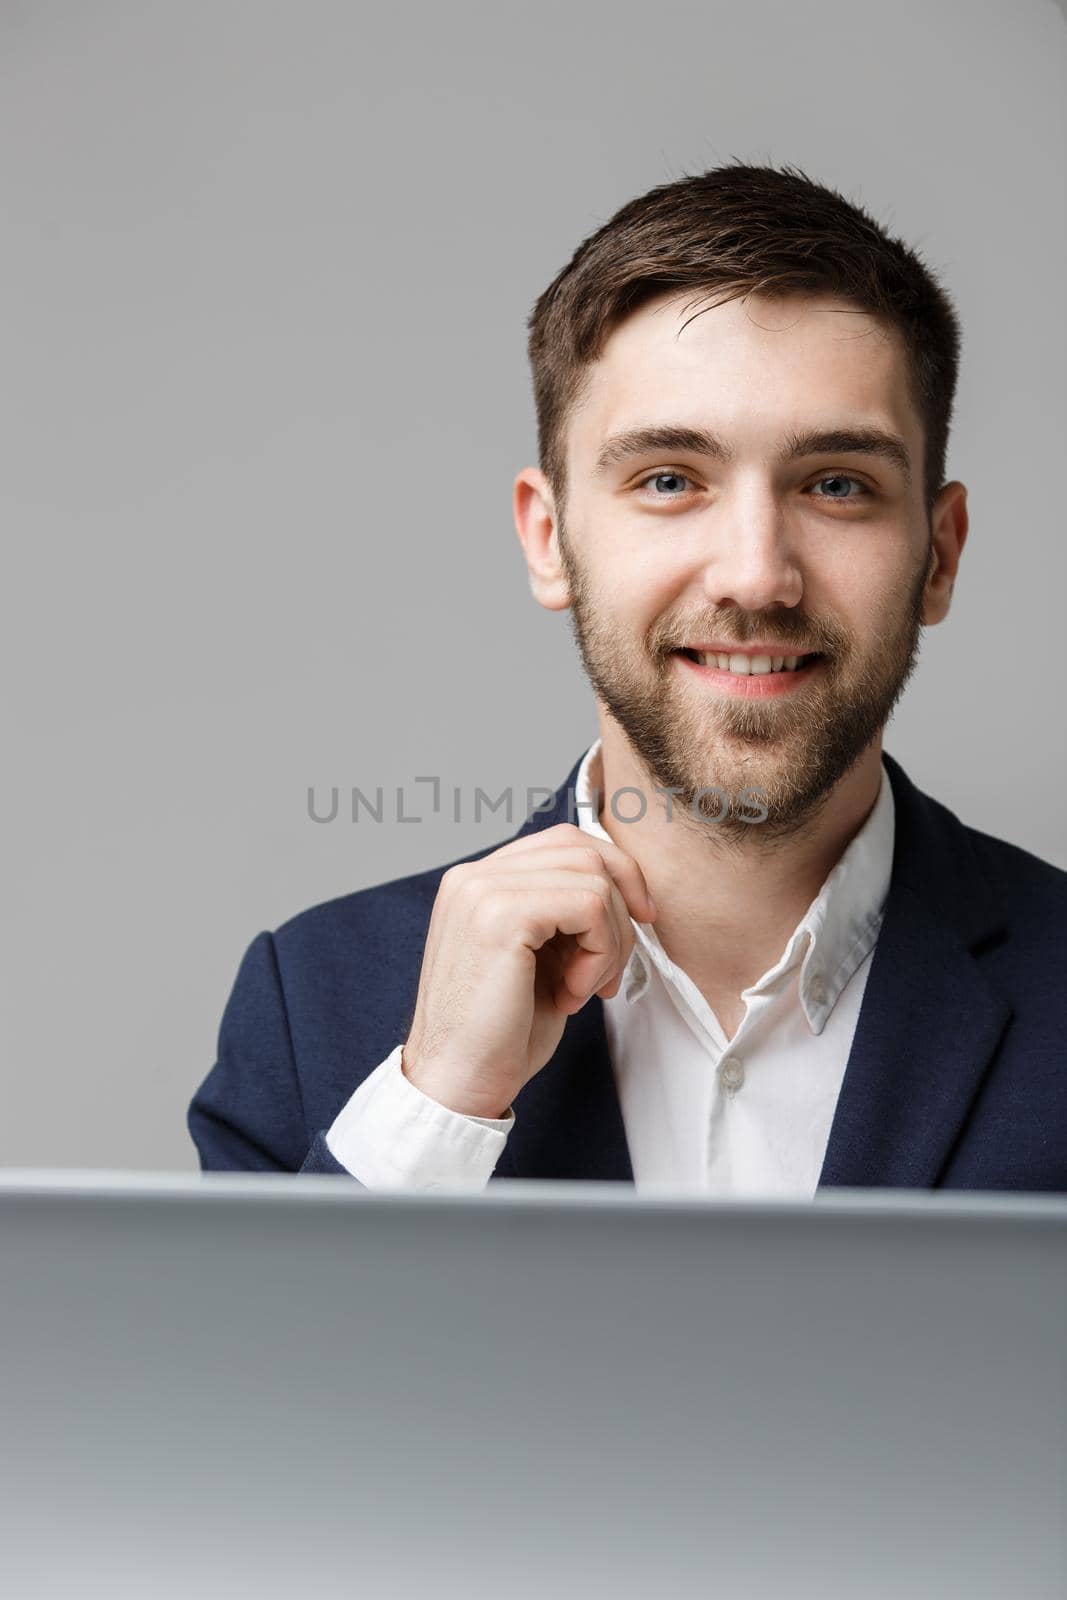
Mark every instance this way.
x=390 y=1135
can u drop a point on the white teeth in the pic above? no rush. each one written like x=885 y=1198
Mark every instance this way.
x=747 y=665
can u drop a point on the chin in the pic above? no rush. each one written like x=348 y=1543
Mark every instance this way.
x=789 y=778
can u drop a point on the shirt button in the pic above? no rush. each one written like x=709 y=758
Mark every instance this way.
x=731 y=1074
x=817 y=991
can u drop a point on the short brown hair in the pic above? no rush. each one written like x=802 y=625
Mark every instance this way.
x=743 y=229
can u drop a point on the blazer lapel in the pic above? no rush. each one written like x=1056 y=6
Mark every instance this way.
x=930 y=1021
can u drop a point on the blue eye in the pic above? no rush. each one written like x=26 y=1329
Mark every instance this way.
x=665 y=473
x=840 y=477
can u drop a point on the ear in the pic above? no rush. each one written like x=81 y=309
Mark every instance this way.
x=535 y=524
x=948 y=523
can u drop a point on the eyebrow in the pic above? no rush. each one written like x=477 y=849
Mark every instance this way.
x=841 y=441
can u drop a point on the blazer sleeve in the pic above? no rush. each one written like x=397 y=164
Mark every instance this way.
x=248 y=1115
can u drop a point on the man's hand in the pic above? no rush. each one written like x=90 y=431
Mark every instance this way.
x=517 y=943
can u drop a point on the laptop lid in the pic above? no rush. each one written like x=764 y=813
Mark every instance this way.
x=231 y=1385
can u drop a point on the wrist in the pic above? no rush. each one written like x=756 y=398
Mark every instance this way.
x=438 y=1082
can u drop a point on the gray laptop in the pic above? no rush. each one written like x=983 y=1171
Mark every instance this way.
x=262 y=1386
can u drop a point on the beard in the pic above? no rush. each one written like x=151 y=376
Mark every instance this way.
x=791 y=748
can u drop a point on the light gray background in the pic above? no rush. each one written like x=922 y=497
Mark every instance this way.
x=266 y=274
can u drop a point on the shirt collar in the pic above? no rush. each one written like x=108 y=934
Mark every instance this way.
x=835 y=934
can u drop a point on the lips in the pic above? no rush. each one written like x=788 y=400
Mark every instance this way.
x=765 y=683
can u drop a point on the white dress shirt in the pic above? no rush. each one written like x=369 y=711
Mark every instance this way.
x=748 y=1116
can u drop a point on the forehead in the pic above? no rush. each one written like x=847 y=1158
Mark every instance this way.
x=752 y=368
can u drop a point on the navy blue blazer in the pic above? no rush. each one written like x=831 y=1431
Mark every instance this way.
x=956 y=1079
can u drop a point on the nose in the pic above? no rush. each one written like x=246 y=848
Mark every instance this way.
x=753 y=563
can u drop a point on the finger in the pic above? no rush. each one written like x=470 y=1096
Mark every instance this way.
x=548 y=901
x=585 y=970
x=623 y=868
x=575 y=921
x=576 y=925
x=582 y=858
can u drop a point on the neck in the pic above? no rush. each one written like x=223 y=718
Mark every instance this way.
x=728 y=906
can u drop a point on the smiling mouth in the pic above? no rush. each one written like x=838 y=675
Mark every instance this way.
x=750 y=666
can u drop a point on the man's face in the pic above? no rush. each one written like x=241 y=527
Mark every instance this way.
x=676 y=545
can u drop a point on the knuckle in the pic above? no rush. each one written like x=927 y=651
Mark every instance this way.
x=487 y=902
x=490 y=912
x=457 y=884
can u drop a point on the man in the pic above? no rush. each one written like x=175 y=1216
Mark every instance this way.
x=740 y=953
